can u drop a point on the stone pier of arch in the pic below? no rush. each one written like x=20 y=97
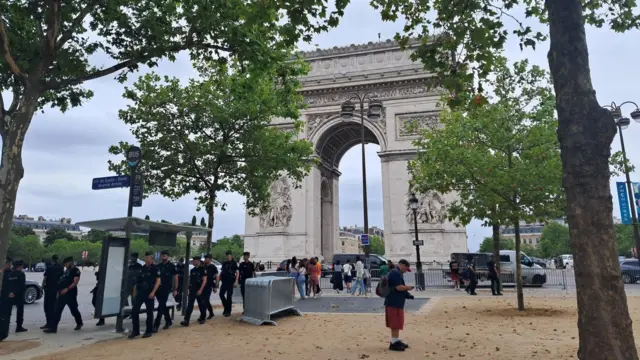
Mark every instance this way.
x=303 y=221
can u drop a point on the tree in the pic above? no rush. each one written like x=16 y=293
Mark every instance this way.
x=22 y=231
x=95 y=236
x=209 y=135
x=225 y=244
x=194 y=220
x=501 y=157
x=624 y=239
x=475 y=32
x=26 y=248
x=55 y=233
x=146 y=217
x=376 y=244
x=202 y=222
x=48 y=50
x=487 y=244
x=555 y=240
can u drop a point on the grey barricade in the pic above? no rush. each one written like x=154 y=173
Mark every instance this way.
x=266 y=296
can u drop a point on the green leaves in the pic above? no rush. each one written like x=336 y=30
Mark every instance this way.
x=502 y=158
x=215 y=134
x=619 y=165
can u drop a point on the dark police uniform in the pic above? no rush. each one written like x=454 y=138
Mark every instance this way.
x=167 y=273
x=195 y=282
x=94 y=297
x=52 y=276
x=14 y=283
x=132 y=278
x=144 y=286
x=4 y=304
x=212 y=272
x=178 y=298
x=246 y=269
x=70 y=299
x=228 y=278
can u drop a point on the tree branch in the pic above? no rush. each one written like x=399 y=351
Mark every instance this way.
x=77 y=22
x=55 y=85
x=5 y=50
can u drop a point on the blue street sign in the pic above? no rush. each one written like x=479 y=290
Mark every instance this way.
x=364 y=239
x=623 y=201
x=110 y=182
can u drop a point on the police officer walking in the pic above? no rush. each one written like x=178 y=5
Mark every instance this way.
x=132 y=275
x=52 y=275
x=229 y=279
x=67 y=296
x=247 y=270
x=144 y=293
x=180 y=270
x=4 y=301
x=212 y=283
x=13 y=296
x=168 y=281
x=197 y=283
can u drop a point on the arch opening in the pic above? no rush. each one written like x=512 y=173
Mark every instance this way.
x=336 y=140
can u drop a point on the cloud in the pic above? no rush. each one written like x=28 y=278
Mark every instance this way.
x=63 y=152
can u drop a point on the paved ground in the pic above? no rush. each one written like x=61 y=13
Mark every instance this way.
x=352 y=305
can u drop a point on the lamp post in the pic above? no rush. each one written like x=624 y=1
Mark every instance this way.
x=374 y=112
x=413 y=204
x=622 y=123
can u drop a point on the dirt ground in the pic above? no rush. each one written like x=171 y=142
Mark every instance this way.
x=456 y=327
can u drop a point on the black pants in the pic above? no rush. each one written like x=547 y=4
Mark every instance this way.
x=206 y=299
x=163 y=310
x=242 y=292
x=70 y=300
x=142 y=298
x=50 y=307
x=178 y=298
x=473 y=282
x=226 y=293
x=6 y=307
x=495 y=287
x=193 y=297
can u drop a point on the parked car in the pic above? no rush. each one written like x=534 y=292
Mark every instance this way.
x=40 y=267
x=630 y=270
x=539 y=261
x=32 y=292
x=282 y=266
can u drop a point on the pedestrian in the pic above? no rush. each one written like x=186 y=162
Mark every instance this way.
x=359 y=285
x=168 y=285
x=13 y=295
x=493 y=276
x=394 y=304
x=4 y=300
x=318 y=288
x=384 y=268
x=314 y=277
x=292 y=271
x=336 y=277
x=247 y=271
x=144 y=293
x=301 y=279
x=132 y=276
x=50 y=280
x=346 y=272
x=454 y=268
x=212 y=283
x=472 y=276
x=197 y=283
x=94 y=297
x=180 y=270
x=67 y=296
x=229 y=280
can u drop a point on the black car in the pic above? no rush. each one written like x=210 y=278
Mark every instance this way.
x=630 y=270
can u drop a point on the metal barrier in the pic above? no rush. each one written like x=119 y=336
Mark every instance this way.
x=266 y=296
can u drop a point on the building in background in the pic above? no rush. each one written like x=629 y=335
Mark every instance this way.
x=358 y=230
x=197 y=239
x=349 y=242
x=40 y=225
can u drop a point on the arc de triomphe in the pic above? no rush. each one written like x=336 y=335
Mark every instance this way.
x=303 y=222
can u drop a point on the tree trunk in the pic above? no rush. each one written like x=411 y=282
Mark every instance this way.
x=496 y=253
x=210 y=211
x=11 y=169
x=585 y=132
x=519 y=294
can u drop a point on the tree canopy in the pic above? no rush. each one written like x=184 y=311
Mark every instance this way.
x=54 y=234
x=487 y=244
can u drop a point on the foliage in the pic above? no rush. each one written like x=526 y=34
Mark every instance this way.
x=625 y=240
x=26 y=248
x=618 y=167
x=95 y=236
x=234 y=243
x=54 y=234
x=487 y=244
x=376 y=245
x=21 y=231
x=202 y=222
x=555 y=240
x=146 y=217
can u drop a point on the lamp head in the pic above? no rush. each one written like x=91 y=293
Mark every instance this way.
x=375 y=109
x=348 y=107
x=623 y=122
x=616 y=112
x=413 y=201
x=635 y=115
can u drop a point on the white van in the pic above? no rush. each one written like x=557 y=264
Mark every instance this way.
x=532 y=273
x=567 y=260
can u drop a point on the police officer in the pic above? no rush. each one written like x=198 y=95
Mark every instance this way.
x=197 y=283
x=212 y=283
x=50 y=286
x=180 y=270
x=5 y=315
x=247 y=270
x=67 y=296
x=229 y=279
x=15 y=285
x=94 y=297
x=145 y=293
x=168 y=281
x=132 y=276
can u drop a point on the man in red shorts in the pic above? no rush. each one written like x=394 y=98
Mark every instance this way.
x=394 y=304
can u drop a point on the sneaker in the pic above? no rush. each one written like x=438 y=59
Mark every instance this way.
x=44 y=327
x=100 y=323
x=155 y=329
x=210 y=317
x=78 y=327
x=146 y=335
x=226 y=314
x=404 y=344
x=20 y=329
x=133 y=335
x=201 y=321
x=49 y=331
x=184 y=323
x=167 y=325
x=473 y=293
x=396 y=346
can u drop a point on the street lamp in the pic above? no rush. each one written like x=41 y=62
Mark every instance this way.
x=623 y=123
x=414 y=203
x=374 y=113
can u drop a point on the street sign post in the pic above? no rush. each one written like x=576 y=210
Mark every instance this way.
x=418 y=242
x=138 y=188
x=110 y=182
x=364 y=239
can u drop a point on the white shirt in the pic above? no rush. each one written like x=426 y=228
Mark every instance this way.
x=346 y=269
x=359 y=270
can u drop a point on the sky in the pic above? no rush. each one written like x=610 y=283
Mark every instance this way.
x=63 y=152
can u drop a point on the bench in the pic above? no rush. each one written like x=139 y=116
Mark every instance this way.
x=171 y=305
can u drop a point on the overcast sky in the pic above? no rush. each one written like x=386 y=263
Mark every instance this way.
x=63 y=152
